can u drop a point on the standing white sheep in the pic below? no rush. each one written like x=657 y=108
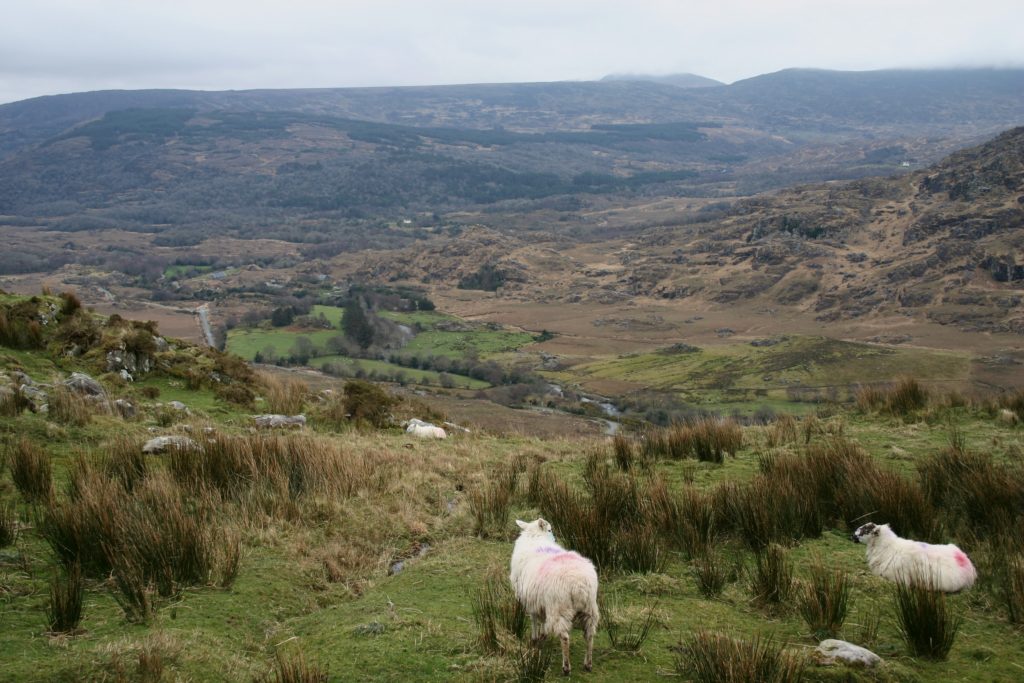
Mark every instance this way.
x=554 y=585
x=942 y=567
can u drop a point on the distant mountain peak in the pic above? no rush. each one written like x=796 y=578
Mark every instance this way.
x=684 y=80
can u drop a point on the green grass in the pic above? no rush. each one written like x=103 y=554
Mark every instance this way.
x=332 y=313
x=386 y=369
x=171 y=272
x=736 y=373
x=418 y=626
x=248 y=342
x=456 y=344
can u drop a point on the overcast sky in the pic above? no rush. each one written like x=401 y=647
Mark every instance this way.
x=58 y=46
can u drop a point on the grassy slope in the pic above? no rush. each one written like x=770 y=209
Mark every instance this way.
x=714 y=375
x=417 y=625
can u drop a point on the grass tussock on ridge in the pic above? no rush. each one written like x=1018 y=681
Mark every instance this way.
x=708 y=657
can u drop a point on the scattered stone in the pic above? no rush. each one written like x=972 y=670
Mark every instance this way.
x=125 y=409
x=85 y=385
x=162 y=444
x=396 y=568
x=279 y=421
x=831 y=651
x=126 y=376
x=767 y=342
x=725 y=331
x=38 y=400
x=180 y=407
x=161 y=344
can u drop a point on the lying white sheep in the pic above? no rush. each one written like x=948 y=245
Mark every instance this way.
x=554 y=585
x=426 y=431
x=942 y=567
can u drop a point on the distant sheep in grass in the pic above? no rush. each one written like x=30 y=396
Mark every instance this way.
x=942 y=567
x=554 y=585
x=1008 y=417
x=425 y=430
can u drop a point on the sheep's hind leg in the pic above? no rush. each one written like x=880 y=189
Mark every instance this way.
x=535 y=631
x=566 y=666
x=589 y=629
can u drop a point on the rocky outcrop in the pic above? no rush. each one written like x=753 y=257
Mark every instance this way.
x=279 y=421
x=162 y=444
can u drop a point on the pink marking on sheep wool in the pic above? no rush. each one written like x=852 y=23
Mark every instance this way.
x=922 y=544
x=549 y=549
x=552 y=563
x=961 y=559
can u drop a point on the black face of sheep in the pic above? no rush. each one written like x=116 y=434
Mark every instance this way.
x=863 y=532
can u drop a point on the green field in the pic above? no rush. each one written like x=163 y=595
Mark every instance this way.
x=389 y=370
x=248 y=342
x=741 y=373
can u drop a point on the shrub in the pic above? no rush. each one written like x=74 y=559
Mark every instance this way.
x=824 y=601
x=622 y=447
x=708 y=657
x=771 y=582
x=150 y=392
x=366 y=402
x=69 y=303
x=31 y=471
x=489 y=504
x=925 y=620
x=239 y=394
x=64 y=611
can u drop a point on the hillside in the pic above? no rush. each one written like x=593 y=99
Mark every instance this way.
x=329 y=165
x=942 y=243
x=348 y=550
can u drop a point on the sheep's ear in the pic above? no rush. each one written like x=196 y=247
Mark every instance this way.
x=544 y=524
x=522 y=524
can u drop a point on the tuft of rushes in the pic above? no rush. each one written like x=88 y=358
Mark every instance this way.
x=708 y=657
x=926 y=620
x=771 y=581
x=293 y=668
x=31 y=471
x=64 y=611
x=824 y=601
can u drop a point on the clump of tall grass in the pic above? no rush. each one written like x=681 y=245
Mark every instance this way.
x=624 y=452
x=824 y=600
x=294 y=668
x=31 y=470
x=531 y=662
x=284 y=396
x=490 y=502
x=8 y=525
x=710 y=573
x=1013 y=589
x=980 y=497
x=904 y=398
x=67 y=591
x=153 y=540
x=771 y=581
x=705 y=438
x=499 y=617
x=627 y=629
x=926 y=620
x=125 y=462
x=782 y=431
x=68 y=407
x=708 y=657
x=686 y=518
x=12 y=402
